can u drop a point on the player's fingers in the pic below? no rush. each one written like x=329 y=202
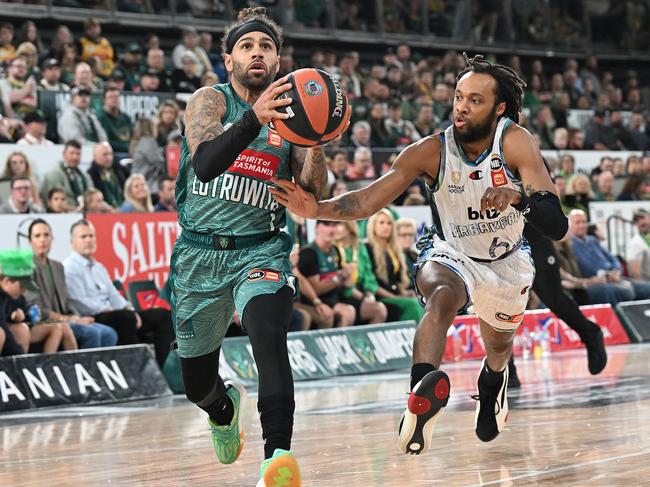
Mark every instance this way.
x=279 y=102
x=275 y=115
x=284 y=184
x=278 y=90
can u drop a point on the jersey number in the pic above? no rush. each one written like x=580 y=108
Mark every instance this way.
x=495 y=245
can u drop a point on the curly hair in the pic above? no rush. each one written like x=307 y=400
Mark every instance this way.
x=246 y=15
x=510 y=87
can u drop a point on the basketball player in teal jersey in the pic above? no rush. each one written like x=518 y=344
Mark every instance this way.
x=231 y=253
x=486 y=174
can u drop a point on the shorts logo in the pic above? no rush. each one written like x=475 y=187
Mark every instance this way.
x=312 y=88
x=509 y=318
x=185 y=329
x=476 y=175
x=274 y=139
x=263 y=275
x=525 y=290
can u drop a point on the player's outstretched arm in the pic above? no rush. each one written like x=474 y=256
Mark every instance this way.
x=539 y=201
x=214 y=149
x=308 y=169
x=423 y=156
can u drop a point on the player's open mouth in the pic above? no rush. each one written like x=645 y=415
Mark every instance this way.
x=459 y=123
x=257 y=68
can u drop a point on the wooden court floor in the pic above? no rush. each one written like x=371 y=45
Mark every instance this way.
x=565 y=428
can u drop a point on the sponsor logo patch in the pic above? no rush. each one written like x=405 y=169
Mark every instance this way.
x=257 y=164
x=312 y=88
x=498 y=178
x=263 y=275
x=455 y=177
x=495 y=162
x=274 y=139
x=509 y=318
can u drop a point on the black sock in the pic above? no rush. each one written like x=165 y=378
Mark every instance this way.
x=490 y=377
x=418 y=371
x=276 y=416
x=221 y=411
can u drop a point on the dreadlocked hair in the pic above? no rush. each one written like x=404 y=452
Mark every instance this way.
x=252 y=13
x=510 y=87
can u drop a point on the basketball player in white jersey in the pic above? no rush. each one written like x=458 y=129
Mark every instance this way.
x=486 y=174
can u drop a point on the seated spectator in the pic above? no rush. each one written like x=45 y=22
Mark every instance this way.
x=594 y=260
x=375 y=87
x=337 y=164
x=35 y=130
x=166 y=195
x=148 y=157
x=130 y=64
x=623 y=137
x=414 y=199
x=155 y=64
x=56 y=201
x=560 y=138
x=91 y=44
x=638 y=131
x=186 y=79
x=136 y=195
x=94 y=202
x=19 y=95
x=400 y=132
x=7 y=49
x=389 y=266
x=78 y=122
x=598 y=135
x=605 y=187
x=92 y=293
x=576 y=139
x=166 y=121
x=85 y=78
x=190 y=43
x=67 y=57
x=68 y=176
x=116 y=80
x=567 y=165
x=543 y=125
x=116 y=123
x=214 y=56
x=51 y=293
x=51 y=76
x=579 y=193
x=20 y=200
x=361 y=134
x=425 y=122
x=638 y=250
x=338 y=188
x=406 y=238
x=619 y=168
x=29 y=33
x=378 y=134
x=14 y=280
x=16 y=165
x=442 y=101
x=362 y=166
x=150 y=83
x=320 y=262
x=361 y=292
x=633 y=165
x=633 y=189
x=313 y=317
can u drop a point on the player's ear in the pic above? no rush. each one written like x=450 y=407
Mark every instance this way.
x=501 y=108
x=227 y=61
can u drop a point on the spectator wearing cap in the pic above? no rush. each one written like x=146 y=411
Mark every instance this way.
x=149 y=81
x=68 y=176
x=116 y=80
x=155 y=63
x=7 y=49
x=77 y=122
x=108 y=175
x=638 y=249
x=190 y=42
x=186 y=79
x=20 y=201
x=35 y=130
x=16 y=278
x=92 y=45
x=18 y=90
x=116 y=123
x=598 y=135
x=51 y=76
x=130 y=63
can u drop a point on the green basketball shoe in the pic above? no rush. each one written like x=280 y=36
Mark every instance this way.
x=281 y=470
x=228 y=440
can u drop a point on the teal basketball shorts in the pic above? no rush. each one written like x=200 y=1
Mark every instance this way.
x=209 y=284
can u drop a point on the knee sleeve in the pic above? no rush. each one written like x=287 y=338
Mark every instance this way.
x=203 y=386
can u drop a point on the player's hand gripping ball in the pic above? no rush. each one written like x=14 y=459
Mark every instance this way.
x=319 y=111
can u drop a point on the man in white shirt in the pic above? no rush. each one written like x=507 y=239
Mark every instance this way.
x=638 y=251
x=35 y=130
x=92 y=293
x=78 y=122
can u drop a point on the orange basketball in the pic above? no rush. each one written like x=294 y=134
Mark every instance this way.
x=319 y=110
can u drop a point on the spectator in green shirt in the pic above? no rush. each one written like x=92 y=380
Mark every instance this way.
x=116 y=123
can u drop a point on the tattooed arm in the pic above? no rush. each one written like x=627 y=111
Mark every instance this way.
x=203 y=117
x=421 y=157
x=308 y=169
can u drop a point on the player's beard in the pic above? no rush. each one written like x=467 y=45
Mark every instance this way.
x=251 y=82
x=477 y=130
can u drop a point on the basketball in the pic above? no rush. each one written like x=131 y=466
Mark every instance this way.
x=319 y=110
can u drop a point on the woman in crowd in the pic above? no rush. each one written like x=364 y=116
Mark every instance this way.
x=579 y=193
x=17 y=164
x=148 y=157
x=52 y=294
x=94 y=202
x=136 y=195
x=633 y=188
x=29 y=33
x=166 y=121
x=389 y=266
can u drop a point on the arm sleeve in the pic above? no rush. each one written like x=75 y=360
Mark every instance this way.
x=308 y=263
x=542 y=209
x=213 y=157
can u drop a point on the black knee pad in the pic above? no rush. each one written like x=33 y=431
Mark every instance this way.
x=267 y=314
x=201 y=378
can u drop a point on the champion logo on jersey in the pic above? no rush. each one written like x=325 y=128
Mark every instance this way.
x=476 y=175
